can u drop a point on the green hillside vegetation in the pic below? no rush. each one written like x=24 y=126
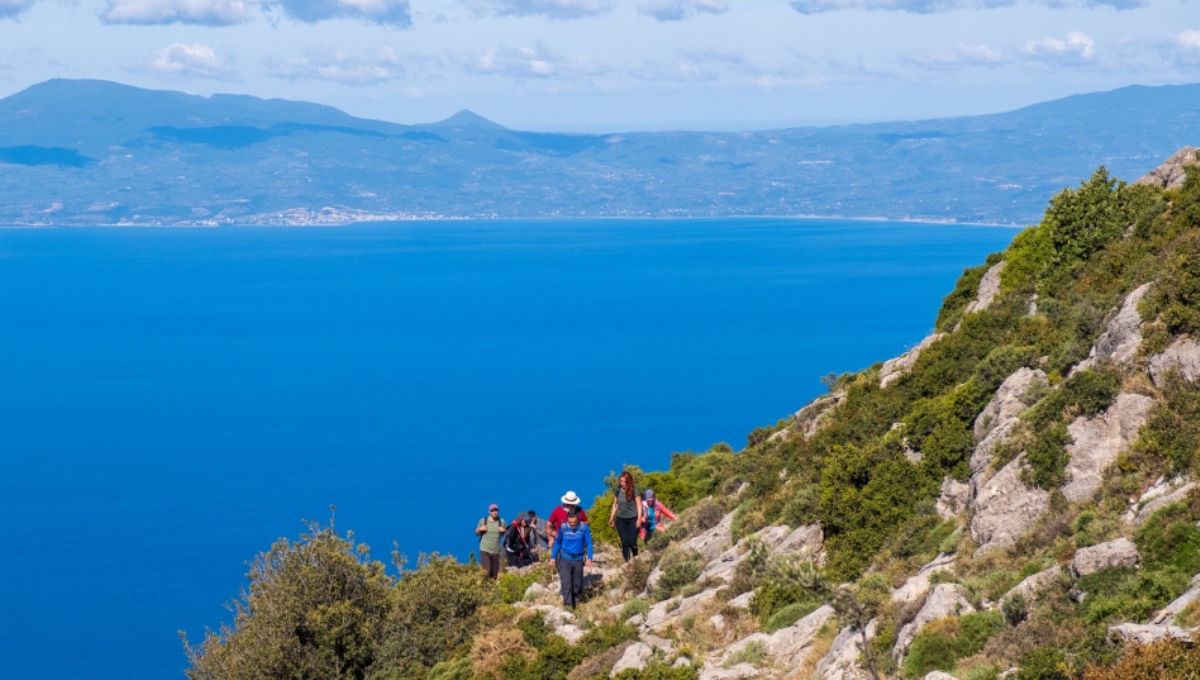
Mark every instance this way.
x=321 y=607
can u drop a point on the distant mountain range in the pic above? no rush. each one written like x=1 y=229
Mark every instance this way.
x=97 y=152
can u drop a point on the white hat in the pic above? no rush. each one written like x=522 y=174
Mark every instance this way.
x=570 y=499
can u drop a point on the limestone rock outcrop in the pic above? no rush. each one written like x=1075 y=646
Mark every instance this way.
x=808 y=419
x=723 y=565
x=1120 y=552
x=1167 y=613
x=918 y=584
x=636 y=656
x=1162 y=501
x=945 y=599
x=1183 y=355
x=738 y=672
x=1007 y=404
x=787 y=647
x=1034 y=584
x=1170 y=174
x=1122 y=334
x=841 y=662
x=893 y=369
x=1147 y=634
x=955 y=498
x=1005 y=508
x=671 y=610
x=989 y=288
x=981 y=458
x=1098 y=441
x=708 y=544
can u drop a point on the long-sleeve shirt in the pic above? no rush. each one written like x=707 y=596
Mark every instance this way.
x=573 y=544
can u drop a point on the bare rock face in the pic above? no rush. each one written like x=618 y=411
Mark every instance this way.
x=841 y=663
x=1007 y=404
x=561 y=620
x=636 y=656
x=724 y=565
x=981 y=458
x=1122 y=335
x=709 y=544
x=808 y=540
x=790 y=646
x=1170 y=174
x=1032 y=585
x=1099 y=440
x=675 y=608
x=946 y=599
x=1183 y=355
x=989 y=288
x=1162 y=501
x=1144 y=635
x=893 y=369
x=808 y=419
x=954 y=499
x=917 y=585
x=738 y=672
x=1005 y=509
x=1112 y=554
x=742 y=601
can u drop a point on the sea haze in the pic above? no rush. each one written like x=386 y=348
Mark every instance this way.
x=176 y=399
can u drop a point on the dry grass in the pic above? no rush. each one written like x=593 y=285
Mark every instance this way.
x=697 y=632
x=494 y=644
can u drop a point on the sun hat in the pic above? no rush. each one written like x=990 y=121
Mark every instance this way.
x=570 y=499
x=649 y=495
x=492 y=507
x=522 y=517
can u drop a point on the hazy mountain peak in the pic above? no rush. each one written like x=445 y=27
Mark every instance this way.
x=467 y=119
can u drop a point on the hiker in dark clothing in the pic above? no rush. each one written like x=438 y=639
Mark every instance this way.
x=516 y=545
x=626 y=515
x=572 y=551
x=539 y=539
x=490 y=531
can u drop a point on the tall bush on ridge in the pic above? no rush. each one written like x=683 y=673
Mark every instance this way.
x=314 y=609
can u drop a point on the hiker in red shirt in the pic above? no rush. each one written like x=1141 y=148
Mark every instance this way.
x=559 y=516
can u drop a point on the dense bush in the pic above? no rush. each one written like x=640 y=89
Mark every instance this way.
x=1044 y=663
x=1165 y=660
x=1170 y=538
x=942 y=643
x=313 y=609
x=1172 y=433
x=678 y=568
x=1083 y=394
x=1129 y=594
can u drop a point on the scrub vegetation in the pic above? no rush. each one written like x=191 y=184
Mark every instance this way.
x=322 y=607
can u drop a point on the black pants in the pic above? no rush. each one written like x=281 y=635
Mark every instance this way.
x=628 y=531
x=491 y=563
x=570 y=572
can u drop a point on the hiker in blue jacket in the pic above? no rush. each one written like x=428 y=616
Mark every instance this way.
x=572 y=551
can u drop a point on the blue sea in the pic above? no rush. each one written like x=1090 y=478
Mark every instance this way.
x=174 y=400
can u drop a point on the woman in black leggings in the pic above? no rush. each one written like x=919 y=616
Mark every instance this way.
x=626 y=515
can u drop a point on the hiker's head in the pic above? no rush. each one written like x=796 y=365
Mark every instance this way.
x=573 y=519
x=494 y=510
x=625 y=481
x=522 y=518
x=532 y=516
x=649 y=497
x=570 y=500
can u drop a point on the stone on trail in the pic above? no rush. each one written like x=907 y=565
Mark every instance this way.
x=1183 y=355
x=1110 y=555
x=1005 y=508
x=1098 y=440
x=670 y=610
x=946 y=599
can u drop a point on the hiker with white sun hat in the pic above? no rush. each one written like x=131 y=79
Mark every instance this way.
x=559 y=516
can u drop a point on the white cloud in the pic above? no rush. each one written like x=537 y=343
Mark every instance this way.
x=1187 y=47
x=390 y=12
x=198 y=60
x=204 y=12
x=11 y=8
x=378 y=65
x=1076 y=48
x=962 y=55
x=526 y=62
x=554 y=9
x=228 y=12
x=678 y=10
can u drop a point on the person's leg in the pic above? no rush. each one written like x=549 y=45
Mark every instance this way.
x=576 y=581
x=494 y=565
x=649 y=535
x=564 y=578
x=514 y=559
x=485 y=561
x=627 y=530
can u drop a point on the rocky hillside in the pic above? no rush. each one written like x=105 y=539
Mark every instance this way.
x=1013 y=497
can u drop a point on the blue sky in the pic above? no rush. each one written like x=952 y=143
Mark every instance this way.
x=608 y=65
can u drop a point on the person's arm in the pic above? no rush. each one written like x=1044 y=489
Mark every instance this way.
x=641 y=513
x=612 y=516
x=666 y=512
x=555 y=550
x=587 y=537
x=482 y=528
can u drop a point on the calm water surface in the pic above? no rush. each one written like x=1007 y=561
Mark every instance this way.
x=173 y=400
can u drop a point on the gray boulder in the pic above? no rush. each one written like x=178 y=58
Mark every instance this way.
x=742 y=601
x=841 y=662
x=636 y=656
x=981 y=458
x=561 y=620
x=1007 y=403
x=671 y=610
x=1162 y=501
x=1183 y=355
x=955 y=498
x=938 y=675
x=725 y=564
x=806 y=540
x=1170 y=174
x=738 y=672
x=1122 y=334
x=893 y=369
x=1147 y=634
x=790 y=646
x=918 y=584
x=1005 y=508
x=989 y=288
x=1120 y=552
x=1098 y=441
x=709 y=544
x=1032 y=585
x=945 y=599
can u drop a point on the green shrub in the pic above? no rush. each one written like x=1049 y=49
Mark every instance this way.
x=942 y=643
x=657 y=670
x=535 y=631
x=609 y=635
x=459 y=669
x=510 y=587
x=634 y=607
x=1172 y=432
x=679 y=568
x=789 y=615
x=1169 y=538
x=1044 y=663
x=1092 y=528
x=554 y=660
x=1129 y=594
x=983 y=672
x=751 y=653
x=1176 y=296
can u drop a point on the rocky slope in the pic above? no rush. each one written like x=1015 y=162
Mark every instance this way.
x=1013 y=497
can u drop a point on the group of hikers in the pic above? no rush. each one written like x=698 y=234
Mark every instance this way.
x=566 y=536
